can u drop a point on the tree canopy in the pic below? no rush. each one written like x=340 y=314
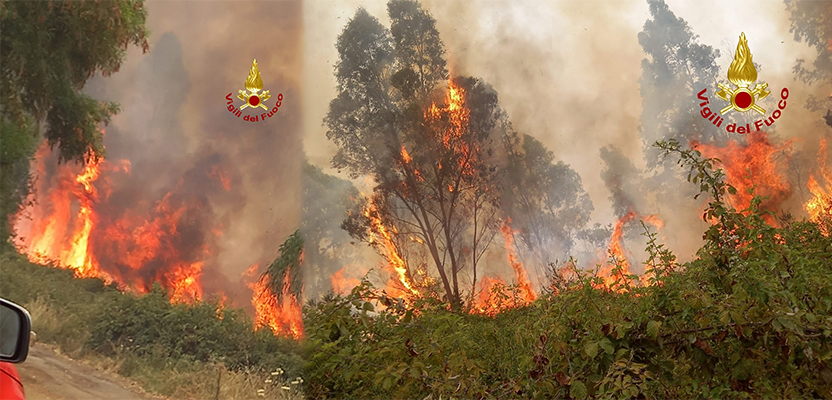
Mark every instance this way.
x=676 y=68
x=438 y=150
x=50 y=49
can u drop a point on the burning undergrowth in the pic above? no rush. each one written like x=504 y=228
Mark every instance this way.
x=96 y=220
x=461 y=209
x=757 y=164
x=171 y=203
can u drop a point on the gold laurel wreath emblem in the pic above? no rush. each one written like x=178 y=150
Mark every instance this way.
x=254 y=84
x=742 y=73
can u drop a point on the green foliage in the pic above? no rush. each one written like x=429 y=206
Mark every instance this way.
x=750 y=317
x=54 y=49
x=50 y=49
x=149 y=325
x=286 y=266
x=146 y=332
x=17 y=146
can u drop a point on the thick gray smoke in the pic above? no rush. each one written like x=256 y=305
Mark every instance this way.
x=567 y=72
x=239 y=181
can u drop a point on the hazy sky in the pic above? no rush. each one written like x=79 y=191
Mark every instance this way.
x=566 y=71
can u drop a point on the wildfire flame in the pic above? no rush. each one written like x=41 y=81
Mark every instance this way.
x=395 y=260
x=752 y=165
x=820 y=206
x=458 y=115
x=619 y=254
x=133 y=247
x=46 y=233
x=341 y=284
x=282 y=317
x=491 y=298
x=513 y=259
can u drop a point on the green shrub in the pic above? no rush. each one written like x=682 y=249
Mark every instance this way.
x=750 y=317
x=149 y=325
x=168 y=348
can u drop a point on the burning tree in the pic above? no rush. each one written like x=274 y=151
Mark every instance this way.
x=546 y=200
x=449 y=170
x=279 y=291
x=431 y=144
x=42 y=80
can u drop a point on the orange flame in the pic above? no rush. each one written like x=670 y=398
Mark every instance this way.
x=222 y=175
x=396 y=262
x=49 y=229
x=820 y=206
x=282 y=317
x=489 y=301
x=129 y=246
x=619 y=253
x=185 y=282
x=341 y=284
x=752 y=165
x=513 y=259
x=458 y=115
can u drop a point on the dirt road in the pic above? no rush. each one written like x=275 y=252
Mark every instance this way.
x=48 y=375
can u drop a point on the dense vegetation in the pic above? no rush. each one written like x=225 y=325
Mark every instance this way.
x=750 y=317
x=449 y=171
x=54 y=49
x=179 y=350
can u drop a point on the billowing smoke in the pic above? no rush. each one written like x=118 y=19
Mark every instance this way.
x=185 y=181
x=581 y=77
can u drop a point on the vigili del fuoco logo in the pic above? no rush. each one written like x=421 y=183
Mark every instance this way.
x=252 y=98
x=741 y=96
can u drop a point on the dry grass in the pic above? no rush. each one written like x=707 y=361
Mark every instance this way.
x=61 y=308
x=51 y=327
x=45 y=319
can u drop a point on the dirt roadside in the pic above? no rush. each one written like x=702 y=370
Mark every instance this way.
x=47 y=375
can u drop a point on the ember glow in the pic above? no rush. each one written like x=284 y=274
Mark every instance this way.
x=753 y=164
x=819 y=206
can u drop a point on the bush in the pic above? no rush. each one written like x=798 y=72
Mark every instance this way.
x=168 y=348
x=149 y=325
x=750 y=317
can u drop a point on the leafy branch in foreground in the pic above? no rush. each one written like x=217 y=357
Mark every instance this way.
x=286 y=267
